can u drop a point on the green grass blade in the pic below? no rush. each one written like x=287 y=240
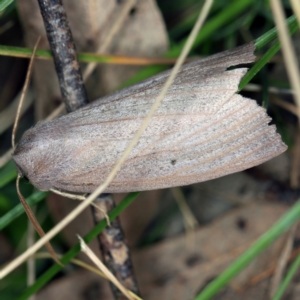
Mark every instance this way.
x=4 y=4
x=293 y=26
x=271 y=35
x=288 y=278
x=33 y=199
x=284 y=223
x=232 y=11
x=7 y=173
x=42 y=280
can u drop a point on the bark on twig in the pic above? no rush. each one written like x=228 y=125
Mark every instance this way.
x=64 y=54
x=74 y=95
x=115 y=252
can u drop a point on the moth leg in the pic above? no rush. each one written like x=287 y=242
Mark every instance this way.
x=82 y=198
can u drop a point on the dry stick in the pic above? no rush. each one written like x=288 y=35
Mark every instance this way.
x=116 y=254
x=110 y=35
x=64 y=54
x=101 y=266
x=67 y=67
x=70 y=217
x=293 y=74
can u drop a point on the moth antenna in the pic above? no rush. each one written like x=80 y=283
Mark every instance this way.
x=35 y=222
x=24 y=90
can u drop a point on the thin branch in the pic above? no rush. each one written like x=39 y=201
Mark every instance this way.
x=64 y=53
x=116 y=254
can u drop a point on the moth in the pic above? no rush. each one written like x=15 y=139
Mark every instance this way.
x=202 y=130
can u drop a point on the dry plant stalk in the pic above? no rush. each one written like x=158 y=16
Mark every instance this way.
x=291 y=64
x=202 y=130
x=282 y=262
x=23 y=94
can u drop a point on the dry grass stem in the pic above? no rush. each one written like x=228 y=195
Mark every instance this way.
x=282 y=262
x=287 y=106
x=296 y=8
x=289 y=55
x=25 y=87
x=291 y=64
x=77 y=262
x=31 y=261
x=128 y=5
x=104 y=269
x=190 y=220
x=252 y=87
x=68 y=195
x=267 y=273
x=34 y=221
x=57 y=228
x=58 y=111
x=82 y=198
x=6 y=26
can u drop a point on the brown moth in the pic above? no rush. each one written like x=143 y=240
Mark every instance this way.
x=202 y=130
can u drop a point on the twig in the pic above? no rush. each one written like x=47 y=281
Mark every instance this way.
x=116 y=253
x=67 y=67
x=64 y=54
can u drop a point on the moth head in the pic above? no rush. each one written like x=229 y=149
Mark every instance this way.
x=27 y=160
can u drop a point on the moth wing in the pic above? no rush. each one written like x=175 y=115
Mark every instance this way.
x=202 y=130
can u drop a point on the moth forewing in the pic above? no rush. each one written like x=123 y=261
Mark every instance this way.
x=202 y=130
